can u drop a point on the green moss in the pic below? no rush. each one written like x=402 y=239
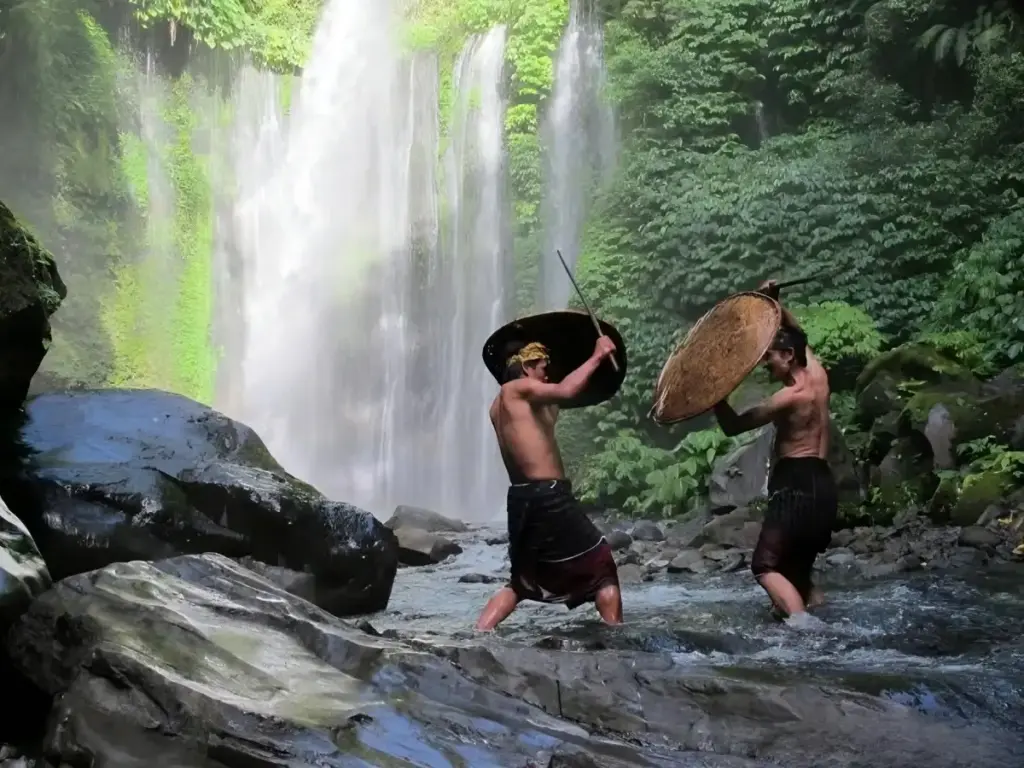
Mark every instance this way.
x=977 y=493
x=945 y=498
x=193 y=234
x=916 y=363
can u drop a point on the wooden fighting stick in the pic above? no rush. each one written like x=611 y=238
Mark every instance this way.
x=597 y=325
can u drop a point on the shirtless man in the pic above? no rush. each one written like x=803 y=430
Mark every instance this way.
x=802 y=500
x=558 y=555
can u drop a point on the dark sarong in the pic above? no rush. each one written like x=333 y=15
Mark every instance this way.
x=558 y=555
x=802 y=507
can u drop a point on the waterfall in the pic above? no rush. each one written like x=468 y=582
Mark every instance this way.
x=362 y=294
x=578 y=134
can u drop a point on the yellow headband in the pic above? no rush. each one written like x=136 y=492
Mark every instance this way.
x=528 y=354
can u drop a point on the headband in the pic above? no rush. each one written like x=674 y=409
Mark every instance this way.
x=530 y=353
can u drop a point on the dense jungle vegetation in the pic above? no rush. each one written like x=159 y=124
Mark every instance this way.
x=880 y=143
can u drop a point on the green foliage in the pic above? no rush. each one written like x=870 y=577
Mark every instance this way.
x=985 y=294
x=534 y=28
x=277 y=33
x=987 y=455
x=636 y=478
x=992 y=24
x=966 y=347
x=838 y=332
x=59 y=164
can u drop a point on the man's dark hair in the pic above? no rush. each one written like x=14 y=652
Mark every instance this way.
x=793 y=339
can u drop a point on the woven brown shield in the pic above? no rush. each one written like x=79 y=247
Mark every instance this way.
x=720 y=350
x=569 y=336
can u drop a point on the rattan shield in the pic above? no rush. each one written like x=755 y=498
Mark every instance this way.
x=720 y=350
x=569 y=336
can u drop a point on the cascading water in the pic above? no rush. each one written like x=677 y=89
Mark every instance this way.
x=366 y=294
x=579 y=149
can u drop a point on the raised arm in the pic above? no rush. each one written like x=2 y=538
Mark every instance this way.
x=733 y=423
x=543 y=393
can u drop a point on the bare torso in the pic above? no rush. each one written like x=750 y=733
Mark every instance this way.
x=526 y=437
x=803 y=429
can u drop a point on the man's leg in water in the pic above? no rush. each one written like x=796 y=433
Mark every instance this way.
x=498 y=608
x=609 y=604
x=783 y=594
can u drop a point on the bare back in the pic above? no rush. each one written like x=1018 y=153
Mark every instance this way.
x=802 y=429
x=526 y=436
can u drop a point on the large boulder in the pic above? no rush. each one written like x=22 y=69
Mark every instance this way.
x=741 y=476
x=23 y=574
x=30 y=291
x=406 y=516
x=207 y=665
x=108 y=476
x=948 y=418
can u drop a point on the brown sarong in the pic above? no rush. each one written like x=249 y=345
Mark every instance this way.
x=802 y=507
x=558 y=555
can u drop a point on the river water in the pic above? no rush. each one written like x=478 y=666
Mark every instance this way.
x=946 y=645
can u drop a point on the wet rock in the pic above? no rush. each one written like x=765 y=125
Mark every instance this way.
x=841 y=559
x=734 y=529
x=416 y=547
x=688 y=561
x=630 y=557
x=843 y=538
x=909 y=562
x=905 y=474
x=298 y=583
x=31 y=290
x=478 y=578
x=714 y=552
x=992 y=513
x=979 y=538
x=877 y=569
x=731 y=562
x=978 y=492
x=684 y=533
x=203 y=663
x=424 y=520
x=497 y=541
x=630 y=573
x=656 y=565
x=619 y=540
x=647 y=530
x=741 y=476
x=761 y=716
x=23 y=574
x=116 y=475
x=967 y=557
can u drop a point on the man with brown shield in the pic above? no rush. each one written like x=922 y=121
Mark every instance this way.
x=557 y=554
x=802 y=501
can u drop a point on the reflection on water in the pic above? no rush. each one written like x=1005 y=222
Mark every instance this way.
x=944 y=645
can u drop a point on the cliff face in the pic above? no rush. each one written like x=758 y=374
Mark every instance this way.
x=31 y=290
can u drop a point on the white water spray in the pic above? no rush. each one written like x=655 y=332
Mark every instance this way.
x=366 y=294
x=579 y=148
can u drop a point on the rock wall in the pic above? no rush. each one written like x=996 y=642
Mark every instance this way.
x=31 y=290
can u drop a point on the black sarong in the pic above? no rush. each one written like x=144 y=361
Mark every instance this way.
x=558 y=555
x=802 y=507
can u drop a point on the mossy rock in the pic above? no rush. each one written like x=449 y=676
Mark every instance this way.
x=917 y=362
x=977 y=492
x=905 y=475
x=967 y=416
x=30 y=291
x=945 y=498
